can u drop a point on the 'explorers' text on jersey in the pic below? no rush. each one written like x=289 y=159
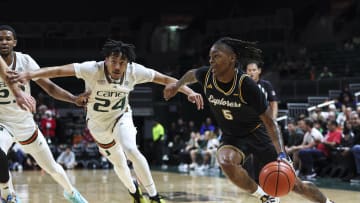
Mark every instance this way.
x=236 y=105
x=109 y=100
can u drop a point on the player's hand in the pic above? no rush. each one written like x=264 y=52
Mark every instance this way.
x=14 y=76
x=82 y=99
x=285 y=158
x=170 y=91
x=197 y=99
x=25 y=101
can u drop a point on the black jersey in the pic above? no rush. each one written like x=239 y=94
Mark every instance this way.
x=236 y=105
x=266 y=87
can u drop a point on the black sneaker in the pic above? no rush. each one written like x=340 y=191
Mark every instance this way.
x=157 y=199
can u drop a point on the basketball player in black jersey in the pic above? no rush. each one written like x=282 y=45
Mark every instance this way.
x=243 y=115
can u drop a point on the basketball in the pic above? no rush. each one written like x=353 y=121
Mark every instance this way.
x=277 y=178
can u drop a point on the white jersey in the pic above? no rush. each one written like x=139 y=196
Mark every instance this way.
x=9 y=110
x=313 y=136
x=108 y=100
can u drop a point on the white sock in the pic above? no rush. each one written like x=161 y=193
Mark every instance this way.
x=142 y=170
x=151 y=190
x=4 y=190
x=328 y=200
x=118 y=159
x=259 y=192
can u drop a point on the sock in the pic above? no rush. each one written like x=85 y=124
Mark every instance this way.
x=142 y=170
x=259 y=192
x=328 y=201
x=151 y=189
x=4 y=190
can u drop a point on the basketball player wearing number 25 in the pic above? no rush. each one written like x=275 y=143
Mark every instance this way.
x=109 y=116
x=243 y=115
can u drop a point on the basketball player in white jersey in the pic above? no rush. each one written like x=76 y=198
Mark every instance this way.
x=18 y=125
x=26 y=102
x=109 y=116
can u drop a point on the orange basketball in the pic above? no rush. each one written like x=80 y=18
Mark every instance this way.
x=277 y=178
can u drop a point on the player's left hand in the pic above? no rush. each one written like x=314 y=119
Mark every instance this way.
x=82 y=99
x=170 y=91
x=25 y=101
x=14 y=76
x=197 y=99
x=285 y=158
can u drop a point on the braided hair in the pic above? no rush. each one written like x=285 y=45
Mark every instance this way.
x=245 y=51
x=118 y=47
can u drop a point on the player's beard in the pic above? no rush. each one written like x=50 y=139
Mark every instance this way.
x=6 y=53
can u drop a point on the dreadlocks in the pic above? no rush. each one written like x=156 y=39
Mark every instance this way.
x=245 y=51
x=118 y=47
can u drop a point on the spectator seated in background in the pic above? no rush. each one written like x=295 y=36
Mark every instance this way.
x=30 y=163
x=325 y=74
x=191 y=144
x=320 y=150
x=209 y=153
x=207 y=126
x=355 y=123
x=196 y=153
x=67 y=159
x=344 y=158
x=17 y=157
x=346 y=99
x=312 y=135
x=48 y=127
x=294 y=137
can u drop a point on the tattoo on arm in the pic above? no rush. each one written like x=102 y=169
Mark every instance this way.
x=188 y=78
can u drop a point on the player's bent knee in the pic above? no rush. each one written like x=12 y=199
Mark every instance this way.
x=230 y=155
x=132 y=153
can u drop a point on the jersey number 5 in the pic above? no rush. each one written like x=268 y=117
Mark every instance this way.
x=227 y=114
x=4 y=93
x=102 y=104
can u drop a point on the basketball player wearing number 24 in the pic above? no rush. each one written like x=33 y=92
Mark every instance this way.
x=109 y=116
x=242 y=113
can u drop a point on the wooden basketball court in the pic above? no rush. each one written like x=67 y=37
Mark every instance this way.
x=104 y=186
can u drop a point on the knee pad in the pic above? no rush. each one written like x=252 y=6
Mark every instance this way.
x=4 y=171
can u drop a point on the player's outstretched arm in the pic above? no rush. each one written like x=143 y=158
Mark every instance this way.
x=51 y=88
x=172 y=88
x=47 y=72
x=23 y=100
x=193 y=97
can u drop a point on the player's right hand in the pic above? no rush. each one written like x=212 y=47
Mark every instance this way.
x=197 y=99
x=14 y=76
x=170 y=91
x=285 y=158
x=25 y=101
